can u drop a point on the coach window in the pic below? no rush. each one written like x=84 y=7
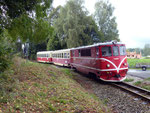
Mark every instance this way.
x=115 y=51
x=122 y=50
x=86 y=52
x=65 y=55
x=106 y=51
x=62 y=55
x=68 y=55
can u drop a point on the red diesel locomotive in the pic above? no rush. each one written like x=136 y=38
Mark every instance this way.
x=107 y=61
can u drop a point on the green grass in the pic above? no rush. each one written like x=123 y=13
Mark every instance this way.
x=43 y=88
x=146 y=87
x=148 y=79
x=138 y=83
x=128 y=80
x=142 y=84
x=132 y=62
x=67 y=71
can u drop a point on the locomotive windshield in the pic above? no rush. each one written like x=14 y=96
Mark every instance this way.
x=106 y=51
x=115 y=51
x=122 y=50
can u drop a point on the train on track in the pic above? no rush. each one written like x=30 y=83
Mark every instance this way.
x=107 y=61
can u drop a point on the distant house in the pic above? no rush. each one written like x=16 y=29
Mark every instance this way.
x=134 y=55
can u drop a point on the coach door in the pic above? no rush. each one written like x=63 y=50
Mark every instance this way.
x=97 y=56
x=97 y=52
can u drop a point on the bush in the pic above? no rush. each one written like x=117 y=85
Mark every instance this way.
x=5 y=51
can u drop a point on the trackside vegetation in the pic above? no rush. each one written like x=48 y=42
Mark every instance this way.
x=132 y=62
x=144 y=84
x=35 y=87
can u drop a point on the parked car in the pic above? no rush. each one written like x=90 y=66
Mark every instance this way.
x=144 y=66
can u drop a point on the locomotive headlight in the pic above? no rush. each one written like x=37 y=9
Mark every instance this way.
x=108 y=65
x=125 y=64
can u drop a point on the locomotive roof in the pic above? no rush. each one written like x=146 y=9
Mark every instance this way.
x=99 y=44
x=44 y=52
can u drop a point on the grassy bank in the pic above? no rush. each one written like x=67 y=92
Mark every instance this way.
x=132 y=62
x=34 y=87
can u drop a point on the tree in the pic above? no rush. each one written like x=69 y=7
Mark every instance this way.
x=31 y=30
x=73 y=27
x=26 y=20
x=10 y=9
x=53 y=43
x=54 y=14
x=106 y=21
x=146 y=50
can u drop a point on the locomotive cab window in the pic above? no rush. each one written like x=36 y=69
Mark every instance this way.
x=106 y=51
x=122 y=50
x=115 y=51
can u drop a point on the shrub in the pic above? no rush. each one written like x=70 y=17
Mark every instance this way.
x=5 y=52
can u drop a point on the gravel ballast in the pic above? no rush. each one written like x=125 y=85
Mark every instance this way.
x=118 y=100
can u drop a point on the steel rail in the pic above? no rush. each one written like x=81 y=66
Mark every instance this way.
x=134 y=90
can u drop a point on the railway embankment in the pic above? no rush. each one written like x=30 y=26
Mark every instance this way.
x=34 y=87
x=119 y=100
x=137 y=81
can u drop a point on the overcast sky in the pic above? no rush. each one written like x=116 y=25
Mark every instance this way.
x=133 y=19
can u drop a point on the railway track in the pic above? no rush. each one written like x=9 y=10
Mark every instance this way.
x=140 y=93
